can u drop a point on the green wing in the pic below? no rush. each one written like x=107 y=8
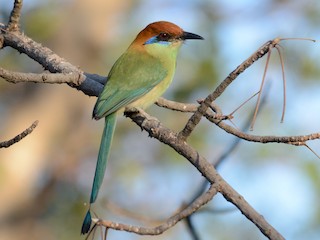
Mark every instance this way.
x=133 y=75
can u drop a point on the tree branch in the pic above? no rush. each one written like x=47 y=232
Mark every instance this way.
x=14 y=19
x=263 y=139
x=188 y=107
x=17 y=77
x=217 y=118
x=172 y=139
x=20 y=136
x=88 y=83
x=196 y=117
x=199 y=202
x=176 y=106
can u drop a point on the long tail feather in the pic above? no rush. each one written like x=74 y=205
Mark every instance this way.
x=104 y=151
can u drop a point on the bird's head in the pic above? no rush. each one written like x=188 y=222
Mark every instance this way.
x=162 y=36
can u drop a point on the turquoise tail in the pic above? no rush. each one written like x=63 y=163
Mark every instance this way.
x=104 y=151
x=86 y=223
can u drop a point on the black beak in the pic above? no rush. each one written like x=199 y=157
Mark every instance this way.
x=188 y=35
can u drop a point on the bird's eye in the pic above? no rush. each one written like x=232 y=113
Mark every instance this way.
x=164 y=37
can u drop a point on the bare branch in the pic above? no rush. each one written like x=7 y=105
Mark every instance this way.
x=262 y=139
x=186 y=107
x=116 y=209
x=44 y=56
x=242 y=104
x=216 y=119
x=172 y=139
x=90 y=84
x=13 y=24
x=196 y=117
x=317 y=155
x=260 y=90
x=284 y=84
x=305 y=145
x=249 y=212
x=17 y=77
x=20 y=136
x=199 y=202
x=176 y=106
x=204 y=185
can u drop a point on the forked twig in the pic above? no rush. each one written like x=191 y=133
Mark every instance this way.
x=277 y=47
x=187 y=211
x=196 y=117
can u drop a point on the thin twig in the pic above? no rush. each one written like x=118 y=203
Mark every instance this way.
x=242 y=104
x=20 y=136
x=260 y=90
x=303 y=39
x=199 y=202
x=14 y=19
x=263 y=139
x=284 y=84
x=305 y=145
x=130 y=214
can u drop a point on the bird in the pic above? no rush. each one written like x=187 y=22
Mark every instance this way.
x=136 y=80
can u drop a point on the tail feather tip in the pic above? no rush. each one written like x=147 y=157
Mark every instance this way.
x=86 y=223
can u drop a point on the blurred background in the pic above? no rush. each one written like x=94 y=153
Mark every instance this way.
x=45 y=180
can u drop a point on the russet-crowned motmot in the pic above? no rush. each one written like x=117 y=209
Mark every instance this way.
x=137 y=79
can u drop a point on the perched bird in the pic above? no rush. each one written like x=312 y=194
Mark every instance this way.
x=137 y=79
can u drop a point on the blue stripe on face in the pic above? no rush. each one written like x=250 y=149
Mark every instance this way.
x=155 y=40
